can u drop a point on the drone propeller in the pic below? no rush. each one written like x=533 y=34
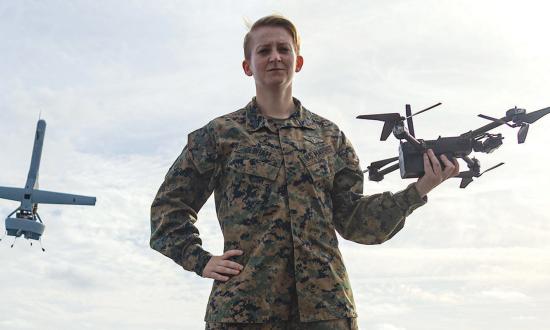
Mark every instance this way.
x=500 y=121
x=408 y=113
x=394 y=117
x=424 y=110
x=466 y=181
x=535 y=115
x=523 y=122
x=464 y=174
x=381 y=163
x=391 y=119
x=522 y=133
x=527 y=119
x=386 y=130
x=467 y=176
x=490 y=169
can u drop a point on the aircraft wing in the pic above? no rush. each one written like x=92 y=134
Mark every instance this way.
x=14 y=194
x=50 y=197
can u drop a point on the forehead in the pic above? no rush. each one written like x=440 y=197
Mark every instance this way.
x=270 y=35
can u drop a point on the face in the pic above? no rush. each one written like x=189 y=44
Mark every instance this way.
x=273 y=60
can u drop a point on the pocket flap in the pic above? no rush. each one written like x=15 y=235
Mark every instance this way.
x=256 y=161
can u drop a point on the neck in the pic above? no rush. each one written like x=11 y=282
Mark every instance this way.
x=275 y=104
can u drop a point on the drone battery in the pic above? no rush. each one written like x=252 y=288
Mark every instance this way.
x=411 y=162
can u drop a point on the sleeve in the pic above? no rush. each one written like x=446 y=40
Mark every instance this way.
x=187 y=185
x=367 y=219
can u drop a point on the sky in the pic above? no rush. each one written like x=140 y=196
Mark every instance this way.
x=122 y=83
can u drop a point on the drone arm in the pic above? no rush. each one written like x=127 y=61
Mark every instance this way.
x=417 y=144
x=401 y=133
x=483 y=129
x=378 y=175
x=375 y=174
x=389 y=169
x=468 y=161
x=473 y=165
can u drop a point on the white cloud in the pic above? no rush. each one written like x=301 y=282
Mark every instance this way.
x=122 y=84
x=388 y=326
x=507 y=296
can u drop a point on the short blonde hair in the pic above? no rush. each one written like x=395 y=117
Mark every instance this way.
x=272 y=20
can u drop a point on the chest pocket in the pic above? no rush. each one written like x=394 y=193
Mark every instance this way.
x=319 y=159
x=255 y=161
x=250 y=179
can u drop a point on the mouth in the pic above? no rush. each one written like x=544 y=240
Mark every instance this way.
x=276 y=69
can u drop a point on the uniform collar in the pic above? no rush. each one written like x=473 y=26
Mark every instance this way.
x=255 y=120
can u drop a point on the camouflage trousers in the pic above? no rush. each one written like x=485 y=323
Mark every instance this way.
x=339 y=324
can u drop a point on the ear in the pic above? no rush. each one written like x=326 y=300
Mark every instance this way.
x=299 y=63
x=246 y=68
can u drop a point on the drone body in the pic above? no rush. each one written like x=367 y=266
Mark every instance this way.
x=410 y=159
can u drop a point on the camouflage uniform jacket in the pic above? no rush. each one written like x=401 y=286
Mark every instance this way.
x=281 y=190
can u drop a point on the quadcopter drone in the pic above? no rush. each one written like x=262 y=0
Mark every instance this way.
x=410 y=161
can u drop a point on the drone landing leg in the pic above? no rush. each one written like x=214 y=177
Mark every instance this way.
x=13 y=243
x=43 y=250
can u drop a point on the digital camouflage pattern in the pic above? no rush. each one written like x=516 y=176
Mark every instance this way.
x=282 y=188
x=338 y=324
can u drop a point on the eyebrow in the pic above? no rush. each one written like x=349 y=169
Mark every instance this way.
x=278 y=44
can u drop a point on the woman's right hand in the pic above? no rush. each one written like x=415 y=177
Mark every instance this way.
x=220 y=268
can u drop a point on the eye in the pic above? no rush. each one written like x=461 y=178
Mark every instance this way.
x=263 y=51
x=284 y=50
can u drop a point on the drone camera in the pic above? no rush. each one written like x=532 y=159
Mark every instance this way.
x=490 y=144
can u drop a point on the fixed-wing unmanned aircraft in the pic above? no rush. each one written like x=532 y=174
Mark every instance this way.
x=25 y=219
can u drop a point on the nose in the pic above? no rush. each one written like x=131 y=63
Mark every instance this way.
x=275 y=56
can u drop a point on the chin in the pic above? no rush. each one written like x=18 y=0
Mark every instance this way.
x=279 y=84
x=275 y=82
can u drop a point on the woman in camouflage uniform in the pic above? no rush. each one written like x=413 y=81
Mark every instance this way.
x=285 y=180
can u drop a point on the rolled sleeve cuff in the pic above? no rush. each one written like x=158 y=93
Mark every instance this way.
x=412 y=197
x=200 y=258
